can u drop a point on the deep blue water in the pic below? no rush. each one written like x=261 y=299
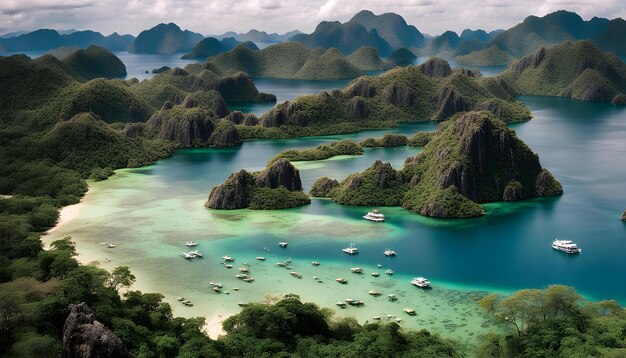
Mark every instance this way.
x=582 y=144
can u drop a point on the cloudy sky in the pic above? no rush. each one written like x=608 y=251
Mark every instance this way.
x=215 y=17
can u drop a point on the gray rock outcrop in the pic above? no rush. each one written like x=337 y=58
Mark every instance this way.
x=84 y=337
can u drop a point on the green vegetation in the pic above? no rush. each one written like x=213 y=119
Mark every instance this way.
x=93 y=62
x=388 y=140
x=554 y=322
x=492 y=56
x=322 y=151
x=296 y=61
x=289 y=327
x=473 y=158
x=379 y=185
x=428 y=91
x=211 y=46
x=278 y=198
x=420 y=139
x=402 y=57
x=572 y=69
x=278 y=186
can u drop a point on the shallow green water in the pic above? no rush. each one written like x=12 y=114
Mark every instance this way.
x=150 y=212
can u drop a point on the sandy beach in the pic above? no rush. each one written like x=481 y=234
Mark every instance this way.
x=69 y=213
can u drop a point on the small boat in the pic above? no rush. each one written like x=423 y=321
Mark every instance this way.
x=282 y=244
x=566 y=246
x=249 y=279
x=235 y=288
x=389 y=272
x=188 y=256
x=375 y=274
x=375 y=293
x=398 y=319
x=376 y=318
x=356 y=270
x=228 y=258
x=375 y=216
x=315 y=263
x=420 y=282
x=190 y=243
x=241 y=275
x=379 y=265
x=218 y=285
x=186 y=302
x=341 y=304
x=352 y=250
x=228 y=266
x=216 y=289
x=341 y=280
x=409 y=311
x=196 y=253
x=110 y=246
x=390 y=316
x=244 y=269
x=315 y=278
x=181 y=298
x=281 y=264
x=246 y=264
x=356 y=303
x=389 y=253
x=260 y=258
x=349 y=300
x=242 y=304
x=392 y=297
x=288 y=261
x=294 y=274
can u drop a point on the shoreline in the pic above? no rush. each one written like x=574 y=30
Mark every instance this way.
x=70 y=212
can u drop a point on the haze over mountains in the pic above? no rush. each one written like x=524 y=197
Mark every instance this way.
x=386 y=33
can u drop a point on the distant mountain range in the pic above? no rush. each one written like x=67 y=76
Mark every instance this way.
x=258 y=36
x=385 y=33
x=46 y=39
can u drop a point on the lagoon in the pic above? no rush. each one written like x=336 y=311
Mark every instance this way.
x=150 y=212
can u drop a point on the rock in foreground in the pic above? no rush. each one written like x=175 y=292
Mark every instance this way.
x=83 y=336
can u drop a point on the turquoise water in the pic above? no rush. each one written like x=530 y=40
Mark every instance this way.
x=149 y=212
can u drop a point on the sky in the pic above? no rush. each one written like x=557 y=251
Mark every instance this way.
x=211 y=17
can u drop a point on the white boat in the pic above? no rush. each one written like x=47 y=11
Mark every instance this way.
x=228 y=258
x=341 y=304
x=356 y=270
x=315 y=263
x=228 y=266
x=379 y=265
x=282 y=244
x=352 y=250
x=375 y=293
x=389 y=253
x=409 y=311
x=389 y=272
x=375 y=216
x=392 y=297
x=244 y=269
x=420 y=282
x=190 y=243
x=566 y=246
x=196 y=253
x=341 y=280
x=376 y=318
x=110 y=246
x=260 y=258
x=188 y=255
x=375 y=274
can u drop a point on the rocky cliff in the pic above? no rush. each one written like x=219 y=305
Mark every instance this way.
x=472 y=159
x=84 y=337
x=276 y=187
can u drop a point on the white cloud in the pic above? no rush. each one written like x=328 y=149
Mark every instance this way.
x=218 y=16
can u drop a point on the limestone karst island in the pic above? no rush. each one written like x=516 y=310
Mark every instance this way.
x=327 y=178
